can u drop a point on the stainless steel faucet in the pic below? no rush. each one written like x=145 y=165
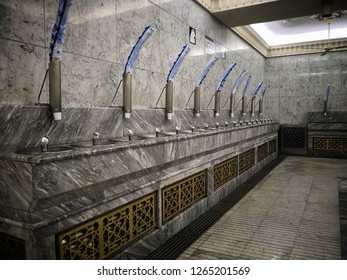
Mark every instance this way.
x=96 y=136
x=44 y=143
x=130 y=135
x=177 y=130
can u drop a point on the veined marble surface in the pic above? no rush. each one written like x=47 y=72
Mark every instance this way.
x=331 y=126
x=298 y=85
x=50 y=192
x=57 y=185
x=98 y=39
x=25 y=126
x=331 y=117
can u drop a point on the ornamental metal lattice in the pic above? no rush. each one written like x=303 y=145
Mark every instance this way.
x=181 y=195
x=330 y=144
x=262 y=152
x=246 y=161
x=12 y=248
x=102 y=237
x=294 y=137
x=225 y=171
x=272 y=146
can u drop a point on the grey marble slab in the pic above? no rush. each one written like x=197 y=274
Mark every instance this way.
x=331 y=117
x=57 y=184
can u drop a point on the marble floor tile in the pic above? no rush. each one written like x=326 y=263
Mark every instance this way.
x=291 y=214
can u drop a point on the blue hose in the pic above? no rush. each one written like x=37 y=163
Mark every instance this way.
x=59 y=30
x=134 y=54
x=238 y=81
x=263 y=92
x=174 y=69
x=327 y=93
x=207 y=68
x=247 y=86
x=225 y=75
x=257 y=89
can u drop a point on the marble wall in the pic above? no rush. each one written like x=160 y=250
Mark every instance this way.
x=298 y=85
x=98 y=39
x=101 y=34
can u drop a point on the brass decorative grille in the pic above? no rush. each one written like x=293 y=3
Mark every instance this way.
x=12 y=248
x=246 y=161
x=262 y=152
x=294 y=137
x=104 y=236
x=272 y=146
x=225 y=171
x=330 y=144
x=181 y=195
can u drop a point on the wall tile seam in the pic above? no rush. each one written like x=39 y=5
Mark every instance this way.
x=22 y=42
x=65 y=52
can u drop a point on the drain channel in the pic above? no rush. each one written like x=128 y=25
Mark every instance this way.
x=178 y=243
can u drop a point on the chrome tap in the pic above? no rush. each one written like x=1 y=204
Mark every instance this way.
x=217 y=125
x=192 y=127
x=206 y=126
x=226 y=124
x=177 y=130
x=130 y=135
x=96 y=136
x=157 y=131
x=44 y=143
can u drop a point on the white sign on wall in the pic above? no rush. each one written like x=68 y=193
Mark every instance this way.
x=192 y=35
x=210 y=46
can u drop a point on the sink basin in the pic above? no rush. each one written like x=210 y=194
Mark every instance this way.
x=37 y=150
x=169 y=133
x=200 y=129
x=186 y=131
x=189 y=131
x=89 y=144
x=126 y=139
x=154 y=136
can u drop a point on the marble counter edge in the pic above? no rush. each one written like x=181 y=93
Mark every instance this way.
x=94 y=150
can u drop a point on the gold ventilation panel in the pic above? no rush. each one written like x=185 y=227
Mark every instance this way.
x=272 y=146
x=102 y=237
x=330 y=144
x=225 y=171
x=262 y=152
x=246 y=160
x=181 y=195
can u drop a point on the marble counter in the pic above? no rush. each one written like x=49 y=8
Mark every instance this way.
x=60 y=176
x=44 y=194
x=327 y=135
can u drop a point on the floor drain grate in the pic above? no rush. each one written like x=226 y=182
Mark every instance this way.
x=177 y=244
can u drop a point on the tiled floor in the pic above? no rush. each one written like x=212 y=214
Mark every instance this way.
x=291 y=214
